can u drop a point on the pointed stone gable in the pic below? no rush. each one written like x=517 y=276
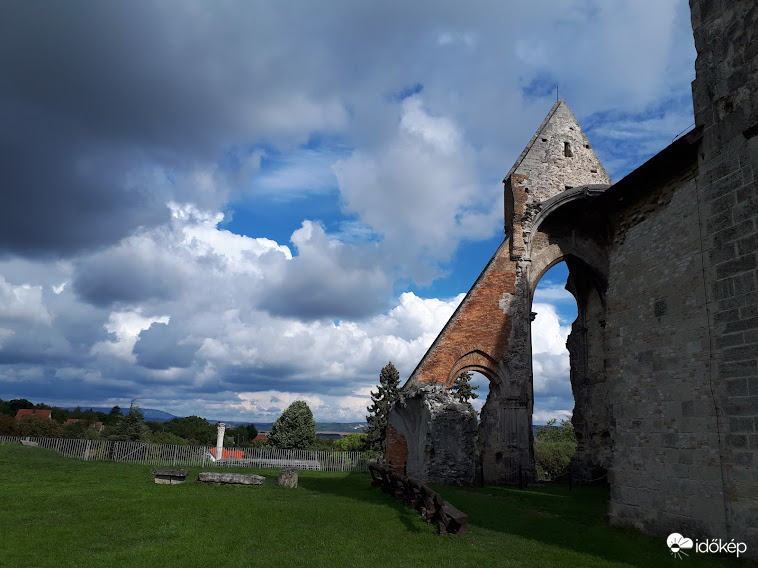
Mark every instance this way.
x=559 y=157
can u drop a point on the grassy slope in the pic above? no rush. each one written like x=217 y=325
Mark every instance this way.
x=57 y=512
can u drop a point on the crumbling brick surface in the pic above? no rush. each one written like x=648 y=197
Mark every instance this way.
x=396 y=455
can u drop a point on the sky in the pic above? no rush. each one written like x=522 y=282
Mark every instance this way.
x=221 y=208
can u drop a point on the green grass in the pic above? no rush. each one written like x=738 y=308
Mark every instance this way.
x=58 y=512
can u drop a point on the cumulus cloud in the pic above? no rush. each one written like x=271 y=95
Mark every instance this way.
x=327 y=278
x=22 y=303
x=127 y=128
x=421 y=188
x=125 y=328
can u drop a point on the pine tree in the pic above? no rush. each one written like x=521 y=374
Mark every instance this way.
x=133 y=424
x=462 y=389
x=381 y=402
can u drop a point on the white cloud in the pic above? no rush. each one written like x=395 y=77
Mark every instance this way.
x=60 y=287
x=543 y=416
x=421 y=188
x=268 y=405
x=126 y=327
x=553 y=293
x=22 y=304
x=298 y=173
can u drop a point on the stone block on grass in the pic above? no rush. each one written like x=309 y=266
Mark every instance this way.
x=287 y=477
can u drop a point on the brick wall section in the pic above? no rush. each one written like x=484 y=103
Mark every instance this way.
x=396 y=455
x=479 y=324
x=726 y=108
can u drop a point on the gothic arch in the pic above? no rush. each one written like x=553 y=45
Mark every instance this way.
x=475 y=361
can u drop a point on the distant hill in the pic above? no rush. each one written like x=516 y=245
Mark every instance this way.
x=149 y=413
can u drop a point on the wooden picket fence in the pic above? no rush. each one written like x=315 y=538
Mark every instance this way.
x=176 y=455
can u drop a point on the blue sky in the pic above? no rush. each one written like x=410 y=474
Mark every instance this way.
x=223 y=208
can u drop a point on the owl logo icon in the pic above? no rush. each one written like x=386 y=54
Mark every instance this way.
x=678 y=544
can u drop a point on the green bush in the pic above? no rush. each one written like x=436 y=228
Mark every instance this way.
x=168 y=438
x=554 y=446
x=38 y=427
x=352 y=443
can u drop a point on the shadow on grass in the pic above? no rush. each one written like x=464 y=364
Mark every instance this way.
x=550 y=514
x=357 y=486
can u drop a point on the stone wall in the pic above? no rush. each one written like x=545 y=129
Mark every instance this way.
x=666 y=474
x=437 y=433
x=664 y=353
x=726 y=109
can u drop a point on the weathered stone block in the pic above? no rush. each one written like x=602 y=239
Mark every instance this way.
x=287 y=478
x=231 y=478
x=170 y=476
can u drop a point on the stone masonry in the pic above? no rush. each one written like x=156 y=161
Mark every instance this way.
x=664 y=351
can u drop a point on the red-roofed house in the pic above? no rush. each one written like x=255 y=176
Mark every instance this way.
x=34 y=412
x=260 y=437
x=228 y=454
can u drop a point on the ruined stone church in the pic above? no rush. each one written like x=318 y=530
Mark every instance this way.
x=664 y=352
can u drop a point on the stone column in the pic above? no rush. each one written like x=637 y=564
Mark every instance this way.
x=221 y=428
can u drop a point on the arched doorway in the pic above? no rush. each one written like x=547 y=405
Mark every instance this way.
x=585 y=343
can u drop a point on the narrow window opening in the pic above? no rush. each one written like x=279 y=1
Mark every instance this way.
x=544 y=139
x=593 y=171
x=567 y=150
x=587 y=146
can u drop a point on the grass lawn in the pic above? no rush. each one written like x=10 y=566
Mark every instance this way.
x=58 y=512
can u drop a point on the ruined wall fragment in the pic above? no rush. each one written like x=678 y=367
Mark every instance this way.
x=438 y=433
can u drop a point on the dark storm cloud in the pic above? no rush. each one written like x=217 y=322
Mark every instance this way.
x=157 y=348
x=61 y=193
x=93 y=93
x=125 y=275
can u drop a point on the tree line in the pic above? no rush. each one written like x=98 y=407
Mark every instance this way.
x=116 y=425
x=294 y=429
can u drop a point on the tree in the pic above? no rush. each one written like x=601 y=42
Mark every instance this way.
x=114 y=415
x=463 y=391
x=198 y=431
x=168 y=438
x=554 y=447
x=132 y=426
x=76 y=430
x=7 y=425
x=352 y=443
x=294 y=429
x=37 y=427
x=381 y=402
x=243 y=435
x=252 y=431
x=17 y=404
